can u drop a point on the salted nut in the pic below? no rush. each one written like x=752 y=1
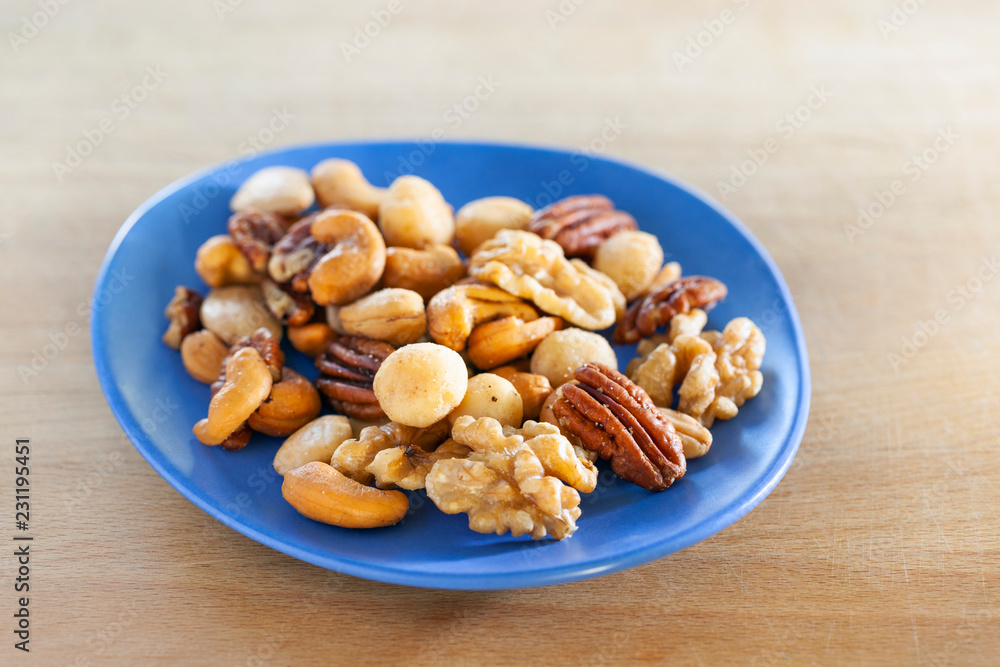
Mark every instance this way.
x=632 y=259
x=580 y=224
x=203 y=355
x=354 y=455
x=393 y=315
x=316 y=441
x=695 y=437
x=311 y=339
x=294 y=254
x=657 y=308
x=615 y=418
x=340 y=184
x=481 y=219
x=220 y=262
x=183 y=313
x=281 y=190
x=533 y=388
x=355 y=262
x=347 y=371
x=290 y=307
x=426 y=271
x=236 y=311
x=500 y=341
x=247 y=385
x=255 y=232
x=292 y=403
x=322 y=494
x=414 y=214
x=453 y=313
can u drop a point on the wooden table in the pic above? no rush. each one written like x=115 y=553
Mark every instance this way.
x=881 y=544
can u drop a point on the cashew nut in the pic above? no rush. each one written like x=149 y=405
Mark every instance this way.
x=292 y=403
x=248 y=383
x=311 y=339
x=340 y=183
x=316 y=441
x=236 y=311
x=203 y=355
x=322 y=494
x=281 y=190
x=501 y=341
x=220 y=262
x=354 y=264
x=453 y=313
x=426 y=271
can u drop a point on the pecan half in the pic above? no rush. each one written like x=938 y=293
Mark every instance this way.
x=295 y=254
x=255 y=233
x=183 y=313
x=657 y=308
x=615 y=418
x=580 y=223
x=347 y=369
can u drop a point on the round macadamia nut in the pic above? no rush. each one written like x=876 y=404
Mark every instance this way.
x=632 y=259
x=420 y=384
x=490 y=395
x=414 y=214
x=481 y=219
x=562 y=352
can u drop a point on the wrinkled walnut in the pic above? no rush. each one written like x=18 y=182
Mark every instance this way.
x=615 y=418
x=580 y=224
x=183 y=311
x=295 y=254
x=290 y=307
x=453 y=313
x=527 y=266
x=407 y=466
x=255 y=233
x=347 y=369
x=353 y=456
x=426 y=271
x=657 y=308
x=501 y=341
x=503 y=484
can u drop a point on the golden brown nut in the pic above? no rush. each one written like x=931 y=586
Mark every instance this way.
x=236 y=311
x=247 y=385
x=316 y=441
x=292 y=403
x=670 y=272
x=523 y=264
x=355 y=263
x=561 y=353
x=183 y=313
x=407 y=467
x=354 y=455
x=533 y=388
x=453 y=313
x=311 y=339
x=281 y=190
x=220 y=262
x=697 y=438
x=203 y=354
x=498 y=342
x=340 y=183
x=632 y=259
x=319 y=492
x=420 y=384
x=347 y=370
x=393 y=315
x=481 y=219
x=414 y=214
x=657 y=308
x=580 y=223
x=490 y=395
x=426 y=271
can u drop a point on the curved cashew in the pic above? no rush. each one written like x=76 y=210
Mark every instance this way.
x=322 y=494
x=340 y=183
x=453 y=313
x=500 y=341
x=248 y=383
x=354 y=264
x=220 y=262
x=316 y=441
x=293 y=403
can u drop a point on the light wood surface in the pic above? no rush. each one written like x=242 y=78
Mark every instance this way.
x=881 y=544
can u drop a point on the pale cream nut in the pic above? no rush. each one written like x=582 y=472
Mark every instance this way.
x=414 y=214
x=562 y=352
x=481 y=219
x=203 y=354
x=632 y=259
x=696 y=437
x=490 y=395
x=316 y=441
x=420 y=384
x=393 y=315
x=236 y=311
x=281 y=190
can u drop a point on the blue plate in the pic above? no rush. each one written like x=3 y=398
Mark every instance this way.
x=622 y=526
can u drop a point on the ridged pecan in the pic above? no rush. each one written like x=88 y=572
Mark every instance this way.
x=657 y=308
x=255 y=233
x=183 y=311
x=580 y=224
x=614 y=417
x=295 y=254
x=348 y=368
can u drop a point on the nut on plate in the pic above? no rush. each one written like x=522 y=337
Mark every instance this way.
x=481 y=219
x=255 y=233
x=533 y=388
x=414 y=214
x=340 y=184
x=317 y=491
x=247 y=385
x=311 y=339
x=203 y=355
x=220 y=262
x=355 y=261
x=632 y=259
x=696 y=438
x=355 y=455
x=421 y=383
x=406 y=466
x=560 y=354
x=426 y=271
x=183 y=311
x=490 y=395
x=316 y=441
x=292 y=403
x=236 y=311
x=453 y=313
x=523 y=264
x=393 y=315
x=281 y=190
x=581 y=223
x=347 y=370
x=657 y=308
x=501 y=341
x=615 y=418
x=289 y=306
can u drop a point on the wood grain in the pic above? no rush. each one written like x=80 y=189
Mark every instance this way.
x=881 y=544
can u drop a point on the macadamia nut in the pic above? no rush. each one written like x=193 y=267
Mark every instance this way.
x=481 y=219
x=414 y=214
x=562 y=352
x=420 y=384
x=490 y=395
x=632 y=259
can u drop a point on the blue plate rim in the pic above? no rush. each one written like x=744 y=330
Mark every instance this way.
x=538 y=577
